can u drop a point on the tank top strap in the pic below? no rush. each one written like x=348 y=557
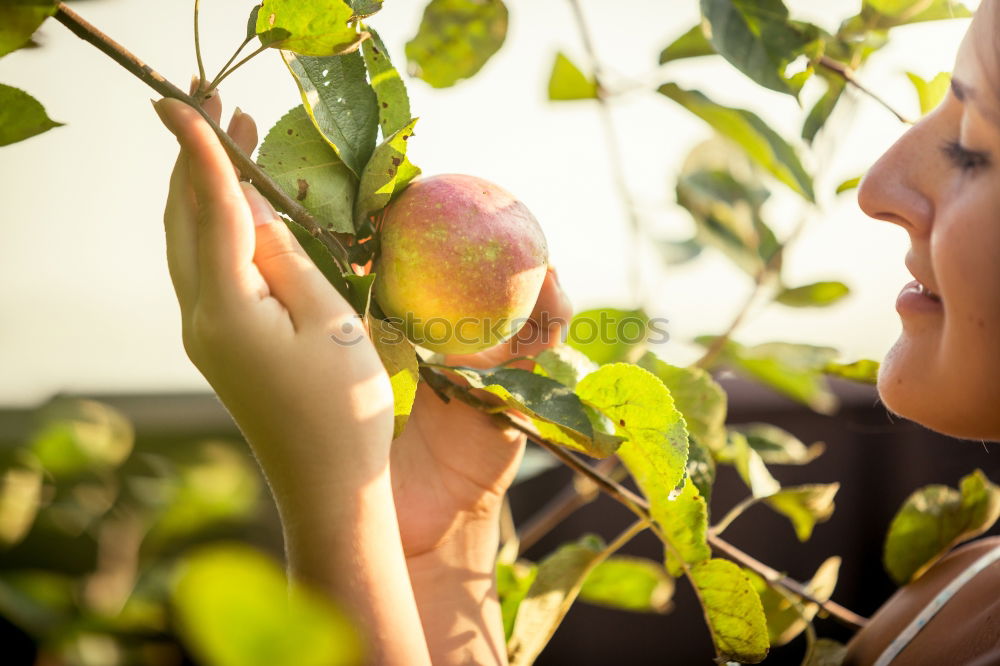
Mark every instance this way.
x=931 y=609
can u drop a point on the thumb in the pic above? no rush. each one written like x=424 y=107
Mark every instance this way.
x=291 y=275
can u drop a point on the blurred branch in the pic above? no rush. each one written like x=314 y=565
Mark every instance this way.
x=614 y=155
x=197 y=43
x=846 y=73
x=633 y=502
x=282 y=202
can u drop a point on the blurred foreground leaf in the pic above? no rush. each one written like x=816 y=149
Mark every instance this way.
x=18 y=21
x=609 y=335
x=567 y=82
x=784 y=620
x=455 y=39
x=629 y=583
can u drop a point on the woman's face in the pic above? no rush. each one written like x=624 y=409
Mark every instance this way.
x=941 y=183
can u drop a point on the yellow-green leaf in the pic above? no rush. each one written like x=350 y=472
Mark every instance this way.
x=816 y=294
x=805 y=505
x=567 y=82
x=21 y=116
x=785 y=621
x=400 y=361
x=930 y=93
x=629 y=583
x=18 y=21
x=379 y=178
x=308 y=27
x=733 y=610
x=456 y=38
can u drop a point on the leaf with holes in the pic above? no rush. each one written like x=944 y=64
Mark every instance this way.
x=378 y=180
x=308 y=27
x=390 y=91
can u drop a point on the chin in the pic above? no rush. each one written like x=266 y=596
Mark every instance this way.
x=910 y=388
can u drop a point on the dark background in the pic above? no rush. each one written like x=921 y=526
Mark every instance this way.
x=878 y=459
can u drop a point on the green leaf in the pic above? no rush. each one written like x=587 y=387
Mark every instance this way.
x=784 y=620
x=701 y=467
x=823 y=108
x=930 y=93
x=733 y=610
x=359 y=291
x=18 y=22
x=691 y=44
x=629 y=583
x=20 y=499
x=750 y=466
x=936 y=518
x=684 y=521
x=762 y=144
x=547 y=402
x=455 y=39
x=564 y=364
x=219 y=486
x=863 y=370
x=393 y=102
x=559 y=578
x=307 y=169
x=321 y=256
x=308 y=27
x=363 y=8
x=378 y=180
x=608 y=335
x=884 y=14
x=567 y=82
x=234 y=608
x=757 y=38
x=21 y=116
x=826 y=652
x=849 y=184
x=679 y=252
x=816 y=294
x=643 y=412
x=77 y=436
x=400 y=361
x=341 y=103
x=700 y=399
x=805 y=505
x=777 y=446
x=513 y=582
x=793 y=370
x=726 y=212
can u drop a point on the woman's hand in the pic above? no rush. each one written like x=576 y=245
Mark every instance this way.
x=257 y=321
x=450 y=470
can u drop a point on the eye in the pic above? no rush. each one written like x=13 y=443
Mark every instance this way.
x=963 y=158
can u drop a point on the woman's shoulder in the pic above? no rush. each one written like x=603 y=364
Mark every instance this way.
x=966 y=628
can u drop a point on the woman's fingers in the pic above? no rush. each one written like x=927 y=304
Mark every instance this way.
x=289 y=272
x=243 y=129
x=224 y=226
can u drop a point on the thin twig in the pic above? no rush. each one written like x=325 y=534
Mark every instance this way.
x=638 y=505
x=226 y=72
x=733 y=514
x=197 y=45
x=615 y=158
x=282 y=202
x=232 y=58
x=846 y=73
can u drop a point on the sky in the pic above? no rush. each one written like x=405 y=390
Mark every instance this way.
x=86 y=304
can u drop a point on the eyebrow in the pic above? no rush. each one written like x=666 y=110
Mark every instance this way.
x=965 y=93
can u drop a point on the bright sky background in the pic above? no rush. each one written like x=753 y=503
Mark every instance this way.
x=86 y=303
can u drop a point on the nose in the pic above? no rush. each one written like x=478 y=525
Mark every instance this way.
x=897 y=187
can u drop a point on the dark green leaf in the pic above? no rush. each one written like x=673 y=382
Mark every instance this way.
x=762 y=144
x=18 y=22
x=691 y=44
x=936 y=518
x=701 y=468
x=393 y=102
x=400 y=361
x=234 y=609
x=864 y=370
x=363 y=8
x=805 y=505
x=817 y=294
x=455 y=39
x=308 y=27
x=513 y=582
x=359 y=291
x=791 y=369
x=21 y=116
x=321 y=256
x=777 y=446
x=629 y=583
x=341 y=103
x=823 y=108
x=930 y=93
x=785 y=621
x=252 y=22
x=733 y=610
x=727 y=214
x=554 y=589
x=567 y=82
x=378 y=180
x=307 y=169
x=757 y=38
x=608 y=335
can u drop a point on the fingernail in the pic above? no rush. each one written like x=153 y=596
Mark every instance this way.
x=263 y=211
x=237 y=112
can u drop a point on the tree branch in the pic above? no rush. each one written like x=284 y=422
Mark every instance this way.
x=846 y=73
x=282 y=202
x=638 y=505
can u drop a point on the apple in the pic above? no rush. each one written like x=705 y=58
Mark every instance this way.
x=461 y=263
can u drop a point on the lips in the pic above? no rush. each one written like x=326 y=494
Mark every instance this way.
x=926 y=287
x=927 y=292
